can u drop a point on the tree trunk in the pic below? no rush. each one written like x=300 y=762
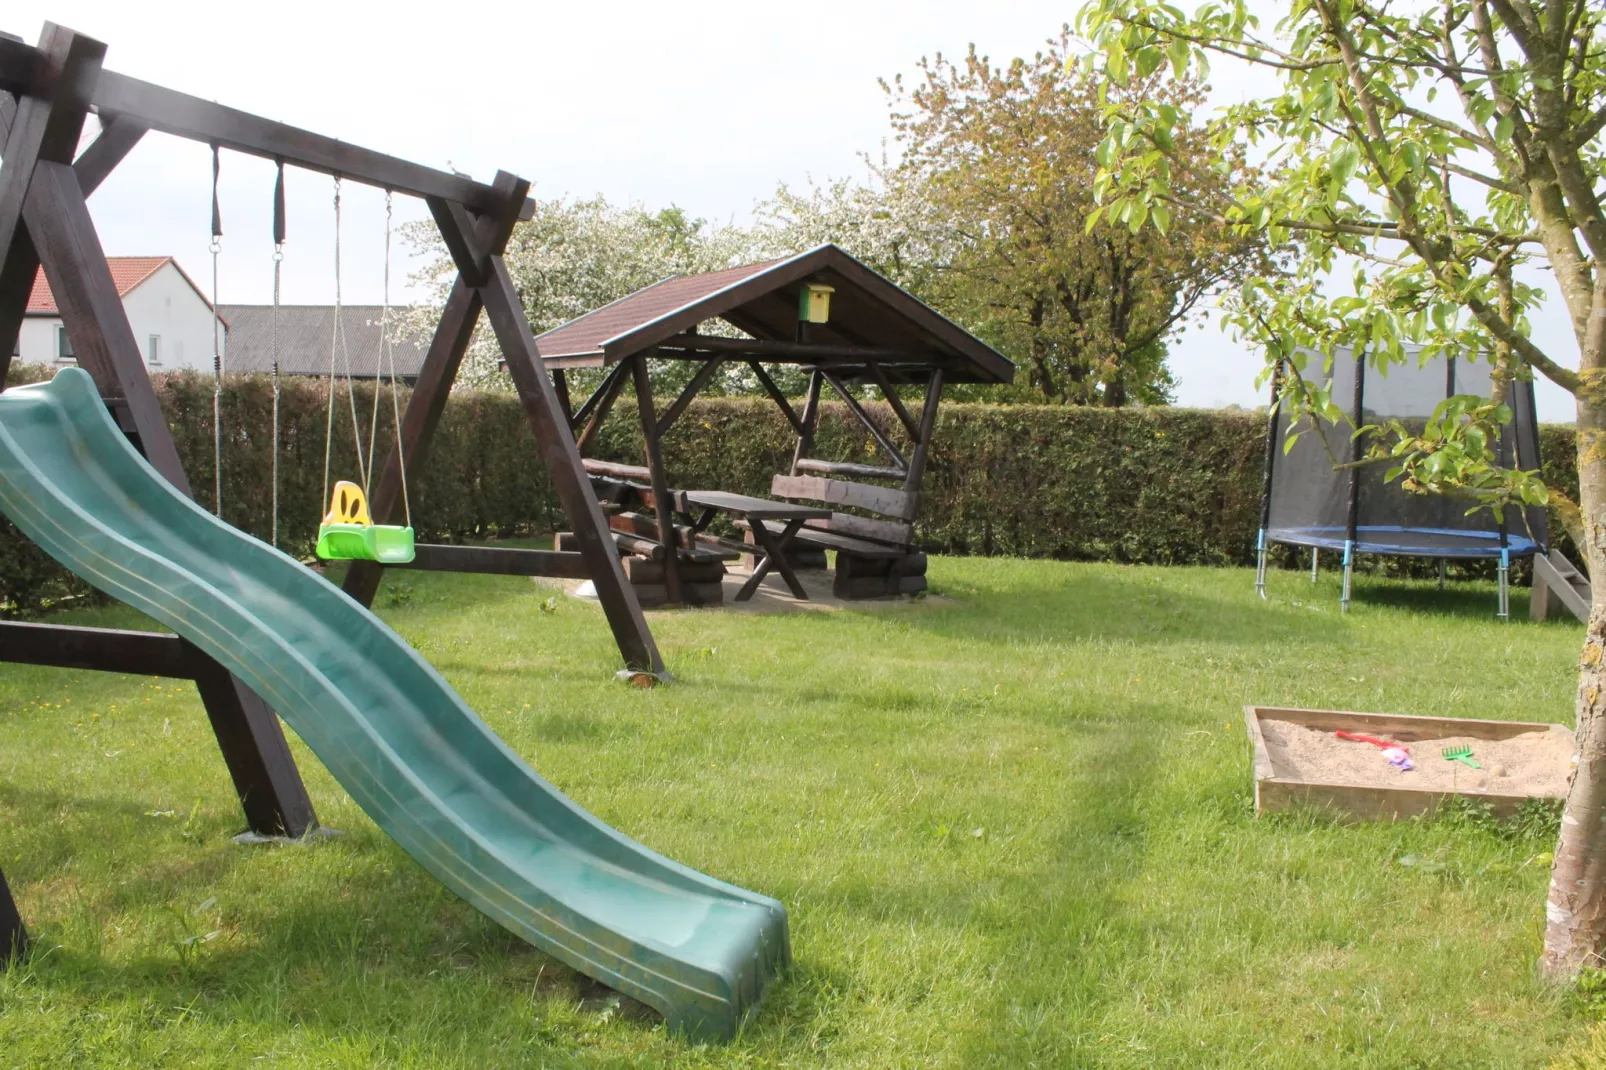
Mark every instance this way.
x=1575 y=913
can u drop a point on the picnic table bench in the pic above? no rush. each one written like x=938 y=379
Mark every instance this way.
x=774 y=524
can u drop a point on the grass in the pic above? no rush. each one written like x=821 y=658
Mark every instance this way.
x=1013 y=830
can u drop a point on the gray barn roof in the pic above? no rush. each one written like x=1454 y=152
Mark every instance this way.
x=305 y=336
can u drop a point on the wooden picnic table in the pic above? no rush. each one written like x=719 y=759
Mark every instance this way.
x=771 y=544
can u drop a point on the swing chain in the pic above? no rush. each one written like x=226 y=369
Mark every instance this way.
x=216 y=247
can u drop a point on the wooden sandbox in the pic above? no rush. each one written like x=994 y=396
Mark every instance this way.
x=1357 y=781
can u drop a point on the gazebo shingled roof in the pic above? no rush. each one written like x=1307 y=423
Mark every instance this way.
x=870 y=317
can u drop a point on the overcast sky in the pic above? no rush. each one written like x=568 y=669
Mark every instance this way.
x=706 y=105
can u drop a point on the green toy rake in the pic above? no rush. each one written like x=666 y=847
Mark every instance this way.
x=1462 y=754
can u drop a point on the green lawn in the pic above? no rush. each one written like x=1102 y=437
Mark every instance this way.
x=1012 y=830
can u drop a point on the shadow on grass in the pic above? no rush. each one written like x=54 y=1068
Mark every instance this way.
x=1456 y=600
x=1136 y=606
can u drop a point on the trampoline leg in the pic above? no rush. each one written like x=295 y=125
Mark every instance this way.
x=1315 y=562
x=1349 y=567
x=1441 y=573
x=1505 y=587
x=1260 y=564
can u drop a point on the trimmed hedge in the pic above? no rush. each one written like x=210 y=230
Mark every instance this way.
x=1158 y=485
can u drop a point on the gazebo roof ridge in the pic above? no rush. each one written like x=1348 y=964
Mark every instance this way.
x=872 y=320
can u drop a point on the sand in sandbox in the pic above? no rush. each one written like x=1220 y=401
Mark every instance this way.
x=1536 y=763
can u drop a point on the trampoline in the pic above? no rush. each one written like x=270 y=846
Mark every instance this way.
x=1308 y=502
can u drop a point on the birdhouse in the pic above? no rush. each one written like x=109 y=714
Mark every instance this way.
x=814 y=303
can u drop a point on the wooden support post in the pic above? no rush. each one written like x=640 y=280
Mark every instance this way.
x=13 y=936
x=560 y=386
x=599 y=404
x=928 y=425
x=562 y=458
x=39 y=191
x=811 y=419
x=660 y=479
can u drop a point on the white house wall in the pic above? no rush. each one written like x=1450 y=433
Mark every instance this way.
x=167 y=306
x=163 y=305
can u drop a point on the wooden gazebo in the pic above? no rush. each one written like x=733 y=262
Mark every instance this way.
x=822 y=311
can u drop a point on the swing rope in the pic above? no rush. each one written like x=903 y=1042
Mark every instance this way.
x=216 y=247
x=273 y=334
x=338 y=348
x=387 y=356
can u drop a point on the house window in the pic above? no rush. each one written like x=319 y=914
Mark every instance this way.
x=64 y=353
x=153 y=351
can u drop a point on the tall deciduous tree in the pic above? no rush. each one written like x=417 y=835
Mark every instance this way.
x=1439 y=146
x=1003 y=160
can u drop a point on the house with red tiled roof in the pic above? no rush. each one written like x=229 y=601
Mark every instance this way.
x=172 y=319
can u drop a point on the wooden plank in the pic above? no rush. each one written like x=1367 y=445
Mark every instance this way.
x=837 y=541
x=845 y=468
x=692 y=594
x=13 y=934
x=497 y=560
x=640 y=571
x=617 y=471
x=754 y=507
x=890 y=392
x=887 y=501
x=98 y=649
x=569 y=478
x=870 y=425
x=863 y=527
x=655 y=464
x=776 y=396
x=1557 y=579
x=692 y=389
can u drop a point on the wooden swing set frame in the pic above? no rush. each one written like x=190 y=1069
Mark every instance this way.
x=46 y=94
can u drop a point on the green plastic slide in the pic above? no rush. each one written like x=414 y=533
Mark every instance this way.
x=412 y=754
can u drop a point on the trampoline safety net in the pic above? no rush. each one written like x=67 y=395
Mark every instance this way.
x=1308 y=499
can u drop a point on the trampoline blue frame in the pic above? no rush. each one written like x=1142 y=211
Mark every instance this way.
x=1373 y=540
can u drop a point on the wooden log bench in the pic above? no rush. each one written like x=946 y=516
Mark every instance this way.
x=875 y=555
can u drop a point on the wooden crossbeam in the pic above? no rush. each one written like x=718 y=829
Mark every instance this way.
x=25 y=71
x=791 y=352
x=776 y=396
x=692 y=389
x=869 y=425
x=890 y=392
x=497 y=561
x=596 y=408
x=99 y=649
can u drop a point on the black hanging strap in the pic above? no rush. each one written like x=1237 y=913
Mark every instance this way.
x=278 y=206
x=217 y=214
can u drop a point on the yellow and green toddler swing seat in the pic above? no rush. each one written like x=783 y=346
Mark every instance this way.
x=348 y=533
